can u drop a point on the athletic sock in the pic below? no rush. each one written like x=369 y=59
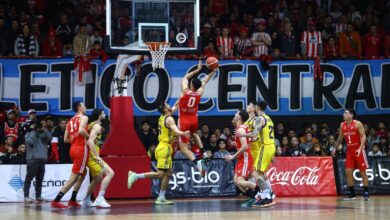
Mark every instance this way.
x=365 y=188
x=101 y=194
x=59 y=197
x=140 y=176
x=74 y=196
x=162 y=194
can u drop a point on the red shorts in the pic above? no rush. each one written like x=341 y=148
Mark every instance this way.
x=187 y=123
x=244 y=166
x=79 y=155
x=352 y=161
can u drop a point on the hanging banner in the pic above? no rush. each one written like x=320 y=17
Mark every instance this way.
x=12 y=182
x=378 y=175
x=186 y=181
x=289 y=88
x=302 y=176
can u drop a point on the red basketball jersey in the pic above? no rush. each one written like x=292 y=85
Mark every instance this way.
x=73 y=129
x=239 y=144
x=188 y=104
x=13 y=132
x=351 y=135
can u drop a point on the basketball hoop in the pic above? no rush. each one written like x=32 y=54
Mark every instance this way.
x=158 y=51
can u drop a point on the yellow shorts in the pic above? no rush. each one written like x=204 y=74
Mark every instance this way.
x=94 y=168
x=255 y=149
x=267 y=153
x=163 y=155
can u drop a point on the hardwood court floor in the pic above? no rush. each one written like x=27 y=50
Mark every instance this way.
x=309 y=208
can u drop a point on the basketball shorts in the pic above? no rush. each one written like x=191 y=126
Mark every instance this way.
x=244 y=166
x=189 y=123
x=353 y=161
x=163 y=155
x=255 y=148
x=79 y=154
x=264 y=158
x=94 y=168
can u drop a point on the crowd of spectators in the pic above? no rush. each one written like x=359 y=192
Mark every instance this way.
x=283 y=29
x=314 y=140
x=18 y=134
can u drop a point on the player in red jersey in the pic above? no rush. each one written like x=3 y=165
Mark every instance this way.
x=244 y=166
x=192 y=90
x=355 y=137
x=76 y=134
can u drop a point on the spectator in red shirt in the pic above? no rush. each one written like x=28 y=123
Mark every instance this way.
x=372 y=43
x=331 y=49
x=210 y=51
x=242 y=44
x=311 y=42
x=97 y=52
x=350 y=43
x=225 y=44
x=52 y=47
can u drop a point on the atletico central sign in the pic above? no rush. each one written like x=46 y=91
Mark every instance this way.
x=288 y=86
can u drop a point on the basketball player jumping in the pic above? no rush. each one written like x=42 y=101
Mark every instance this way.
x=355 y=137
x=167 y=129
x=192 y=90
x=264 y=131
x=244 y=166
x=76 y=134
x=97 y=170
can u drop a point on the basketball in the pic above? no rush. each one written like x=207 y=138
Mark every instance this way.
x=212 y=63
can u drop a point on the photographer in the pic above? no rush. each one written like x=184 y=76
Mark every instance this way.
x=37 y=148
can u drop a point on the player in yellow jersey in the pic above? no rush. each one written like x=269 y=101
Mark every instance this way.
x=255 y=144
x=254 y=147
x=167 y=129
x=100 y=171
x=264 y=129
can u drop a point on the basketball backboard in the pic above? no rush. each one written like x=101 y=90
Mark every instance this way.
x=132 y=23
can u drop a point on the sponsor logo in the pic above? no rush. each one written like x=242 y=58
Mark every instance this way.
x=16 y=183
x=303 y=176
x=180 y=179
x=382 y=173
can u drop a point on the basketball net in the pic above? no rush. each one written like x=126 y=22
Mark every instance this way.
x=158 y=51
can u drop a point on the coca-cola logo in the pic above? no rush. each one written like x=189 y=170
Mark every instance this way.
x=303 y=176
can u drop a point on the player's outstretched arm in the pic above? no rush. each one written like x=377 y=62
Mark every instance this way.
x=66 y=136
x=172 y=125
x=244 y=145
x=175 y=106
x=83 y=125
x=362 y=133
x=208 y=77
x=188 y=76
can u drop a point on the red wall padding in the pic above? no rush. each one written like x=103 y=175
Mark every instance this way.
x=122 y=139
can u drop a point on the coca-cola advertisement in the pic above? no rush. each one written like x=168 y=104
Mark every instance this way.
x=302 y=176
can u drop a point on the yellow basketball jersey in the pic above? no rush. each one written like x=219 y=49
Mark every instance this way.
x=98 y=137
x=164 y=133
x=251 y=127
x=250 y=122
x=267 y=132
